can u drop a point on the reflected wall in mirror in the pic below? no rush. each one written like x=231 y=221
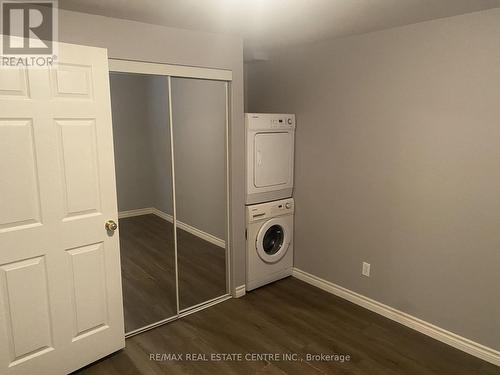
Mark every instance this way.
x=144 y=187
x=199 y=128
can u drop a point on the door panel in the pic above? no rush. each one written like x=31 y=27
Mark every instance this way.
x=272 y=159
x=24 y=287
x=72 y=81
x=60 y=290
x=141 y=129
x=20 y=204
x=199 y=127
x=79 y=161
x=14 y=82
x=88 y=289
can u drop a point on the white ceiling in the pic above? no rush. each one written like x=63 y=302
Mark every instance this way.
x=269 y=23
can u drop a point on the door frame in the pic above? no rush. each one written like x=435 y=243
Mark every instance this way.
x=182 y=71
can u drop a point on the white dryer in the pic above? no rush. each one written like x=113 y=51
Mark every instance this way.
x=269 y=242
x=270 y=142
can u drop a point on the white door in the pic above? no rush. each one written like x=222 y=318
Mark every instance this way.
x=60 y=286
x=273 y=159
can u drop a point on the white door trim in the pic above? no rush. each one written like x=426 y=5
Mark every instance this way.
x=240 y=291
x=142 y=67
x=428 y=329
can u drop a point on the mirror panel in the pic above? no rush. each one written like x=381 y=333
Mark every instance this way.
x=199 y=128
x=144 y=187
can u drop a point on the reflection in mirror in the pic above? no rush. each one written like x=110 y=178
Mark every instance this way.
x=199 y=128
x=144 y=187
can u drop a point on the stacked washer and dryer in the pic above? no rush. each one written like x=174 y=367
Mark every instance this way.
x=270 y=140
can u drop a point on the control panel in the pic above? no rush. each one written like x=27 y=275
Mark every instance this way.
x=263 y=121
x=282 y=122
x=272 y=209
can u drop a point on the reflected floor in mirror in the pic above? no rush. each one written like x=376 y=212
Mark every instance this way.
x=148 y=270
x=202 y=270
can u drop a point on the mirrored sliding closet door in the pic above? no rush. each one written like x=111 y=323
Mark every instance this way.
x=170 y=140
x=199 y=133
x=141 y=130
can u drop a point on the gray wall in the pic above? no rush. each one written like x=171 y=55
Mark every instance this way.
x=398 y=164
x=131 y=119
x=159 y=140
x=139 y=41
x=141 y=136
x=199 y=118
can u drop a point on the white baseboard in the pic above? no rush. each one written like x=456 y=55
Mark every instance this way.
x=240 y=291
x=447 y=337
x=137 y=212
x=188 y=228
x=163 y=215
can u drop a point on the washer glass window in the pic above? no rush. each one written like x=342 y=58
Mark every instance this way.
x=273 y=239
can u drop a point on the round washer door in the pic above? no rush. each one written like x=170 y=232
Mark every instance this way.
x=273 y=240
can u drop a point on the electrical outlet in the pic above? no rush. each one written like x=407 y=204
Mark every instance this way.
x=366 y=269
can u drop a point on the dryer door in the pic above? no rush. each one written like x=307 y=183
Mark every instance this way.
x=273 y=240
x=273 y=159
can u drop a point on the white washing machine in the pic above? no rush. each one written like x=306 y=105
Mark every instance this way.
x=270 y=142
x=269 y=242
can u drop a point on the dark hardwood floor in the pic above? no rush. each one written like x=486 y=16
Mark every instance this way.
x=148 y=270
x=289 y=316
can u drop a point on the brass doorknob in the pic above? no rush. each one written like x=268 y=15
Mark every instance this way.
x=110 y=226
